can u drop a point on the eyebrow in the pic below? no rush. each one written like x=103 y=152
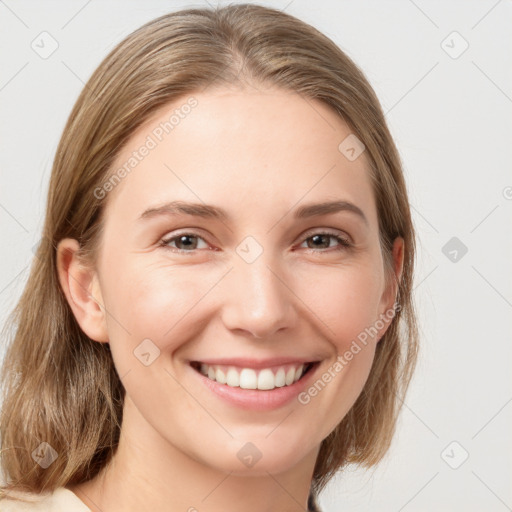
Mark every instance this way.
x=214 y=212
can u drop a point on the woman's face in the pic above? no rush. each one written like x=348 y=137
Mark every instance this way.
x=250 y=282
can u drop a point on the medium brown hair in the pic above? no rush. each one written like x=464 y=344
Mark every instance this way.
x=61 y=387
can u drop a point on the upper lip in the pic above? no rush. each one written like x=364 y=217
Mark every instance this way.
x=245 y=362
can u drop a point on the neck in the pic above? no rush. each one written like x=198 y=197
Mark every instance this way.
x=149 y=473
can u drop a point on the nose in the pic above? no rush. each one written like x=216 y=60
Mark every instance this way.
x=259 y=300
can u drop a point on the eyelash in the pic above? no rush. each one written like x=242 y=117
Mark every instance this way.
x=344 y=242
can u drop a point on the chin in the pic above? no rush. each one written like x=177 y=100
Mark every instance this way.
x=263 y=456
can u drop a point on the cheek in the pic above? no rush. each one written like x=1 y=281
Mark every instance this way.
x=345 y=299
x=157 y=301
x=346 y=302
x=170 y=303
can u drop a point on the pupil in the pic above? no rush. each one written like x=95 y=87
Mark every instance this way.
x=319 y=237
x=183 y=240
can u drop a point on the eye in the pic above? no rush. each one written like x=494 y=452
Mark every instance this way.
x=189 y=242
x=322 y=240
x=185 y=242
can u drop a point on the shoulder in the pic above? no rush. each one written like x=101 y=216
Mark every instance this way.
x=60 y=500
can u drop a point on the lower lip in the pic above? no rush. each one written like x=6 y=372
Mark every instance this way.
x=254 y=399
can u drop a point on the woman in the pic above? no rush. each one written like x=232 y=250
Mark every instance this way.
x=220 y=314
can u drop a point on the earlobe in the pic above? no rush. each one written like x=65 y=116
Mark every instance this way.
x=82 y=290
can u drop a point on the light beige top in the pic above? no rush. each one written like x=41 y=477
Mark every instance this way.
x=61 y=500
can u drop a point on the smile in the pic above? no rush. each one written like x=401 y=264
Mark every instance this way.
x=258 y=385
x=264 y=379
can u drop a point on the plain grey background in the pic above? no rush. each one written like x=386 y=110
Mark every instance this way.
x=443 y=73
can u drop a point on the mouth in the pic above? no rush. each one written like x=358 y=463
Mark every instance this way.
x=262 y=379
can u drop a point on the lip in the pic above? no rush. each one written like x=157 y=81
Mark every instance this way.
x=252 y=399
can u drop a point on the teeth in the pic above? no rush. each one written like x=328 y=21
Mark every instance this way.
x=266 y=379
x=280 y=379
x=248 y=378
x=290 y=376
x=232 y=378
x=220 y=376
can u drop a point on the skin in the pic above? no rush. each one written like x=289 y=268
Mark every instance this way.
x=259 y=154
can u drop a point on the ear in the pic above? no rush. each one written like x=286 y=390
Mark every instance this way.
x=388 y=299
x=82 y=290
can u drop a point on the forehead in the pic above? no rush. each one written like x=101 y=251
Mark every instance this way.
x=254 y=150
